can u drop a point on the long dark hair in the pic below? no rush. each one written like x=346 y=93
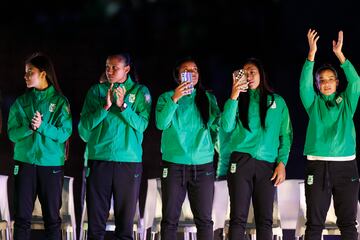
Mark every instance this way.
x=126 y=58
x=43 y=63
x=265 y=91
x=201 y=100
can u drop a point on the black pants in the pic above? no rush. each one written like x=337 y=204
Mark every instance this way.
x=107 y=178
x=326 y=178
x=250 y=178
x=46 y=183
x=198 y=181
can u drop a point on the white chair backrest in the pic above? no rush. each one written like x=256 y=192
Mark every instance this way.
x=186 y=213
x=158 y=209
x=289 y=197
x=221 y=204
x=4 y=199
x=67 y=207
x=330 y=217
x=276 y=214
x=150 y=203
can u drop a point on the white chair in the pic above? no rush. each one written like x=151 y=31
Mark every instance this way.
x=5 y=220
x=221 y=204
x=330 y=223
x=186 y=221
x=251 y=225
x=288 y=201
x=110 y=224
x=157 y=212
x=67 y=212
x=147 y=221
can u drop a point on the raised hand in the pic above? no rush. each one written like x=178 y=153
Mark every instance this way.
x=312 y=37
x=120 y=95
x=239 y=85
x=109 y=98
x=36 y=120
x=337 y=47
x=181 y=90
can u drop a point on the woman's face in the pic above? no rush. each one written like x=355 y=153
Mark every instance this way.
x=116 y=71
x=327 y=82
x=253 y=75
x=192 y=68
x=34 y=78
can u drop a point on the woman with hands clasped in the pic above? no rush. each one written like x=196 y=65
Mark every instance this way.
x=330 y=144
x=113 y=119
x=39 y=124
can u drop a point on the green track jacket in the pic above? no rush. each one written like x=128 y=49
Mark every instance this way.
x=115 y=135
x=271 y=144
x=331 y=131
x=46 y=145
x=185 y=138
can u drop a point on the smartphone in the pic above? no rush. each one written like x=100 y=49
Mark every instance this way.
x=187 y=77
x=240 y=75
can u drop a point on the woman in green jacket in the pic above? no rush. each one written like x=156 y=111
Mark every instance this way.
x=261 y=136
x=39 y=124
x=330 y=144
x=112 y=122
x=188 y=117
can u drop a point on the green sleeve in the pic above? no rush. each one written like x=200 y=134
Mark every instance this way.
x=165 y=110
x=139 y=119
x=18 y=124
x=286 y=137
x=84 y=134
x=62 y=129
x=307 y=92
x=352 y=91
x=224 y=150
x=93 y=112
x=228 y=117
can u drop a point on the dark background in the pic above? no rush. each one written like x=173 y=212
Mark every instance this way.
x=78 y=35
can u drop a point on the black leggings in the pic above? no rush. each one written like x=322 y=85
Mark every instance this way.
x=326 y=178
x=198 y=181
x=46 y=183
x=107 y=178
x=250 y=178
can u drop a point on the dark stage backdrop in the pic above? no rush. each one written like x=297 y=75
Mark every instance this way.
x=78 y=35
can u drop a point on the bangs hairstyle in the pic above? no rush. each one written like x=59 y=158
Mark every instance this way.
x=265 y=91
x=43 y=63
x=325 y=67
x=201 y=100
x=126 y=59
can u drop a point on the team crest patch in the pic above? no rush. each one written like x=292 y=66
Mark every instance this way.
x=147 y=98
x=273 y=105
x=233 y=168
x=165 y=173
x=52 y=107
x=132 y=98
x=339 y=100
x=310 y=180
x=16 y=170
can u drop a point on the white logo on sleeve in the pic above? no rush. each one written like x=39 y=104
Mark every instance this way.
x=52 y=107
x=147 y=98
x=273 y=105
